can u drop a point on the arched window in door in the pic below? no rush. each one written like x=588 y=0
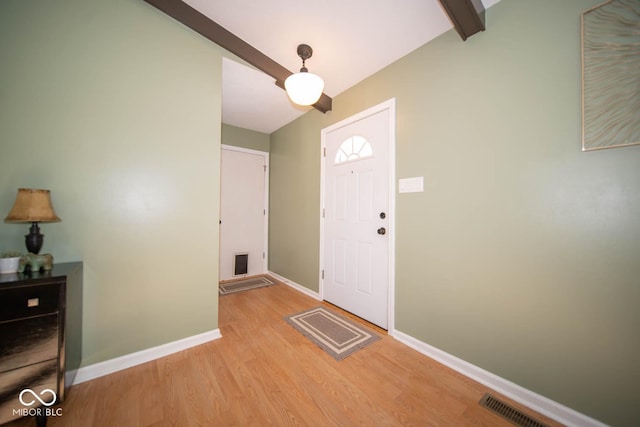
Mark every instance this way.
x=353 y=148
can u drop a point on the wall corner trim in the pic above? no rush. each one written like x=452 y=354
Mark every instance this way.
x=530 y=399
x=87 y=373
x=296 y=286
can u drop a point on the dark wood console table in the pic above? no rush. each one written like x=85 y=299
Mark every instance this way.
x=40 y=339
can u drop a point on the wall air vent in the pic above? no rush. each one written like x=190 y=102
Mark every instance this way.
x=241 y=264
x=509 y=412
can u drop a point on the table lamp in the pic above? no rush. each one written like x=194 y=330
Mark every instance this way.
x=34 y=206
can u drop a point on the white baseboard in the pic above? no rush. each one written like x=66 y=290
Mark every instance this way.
x=530 y=399
x=296 y=286
x=100 y=369
x=70 y=376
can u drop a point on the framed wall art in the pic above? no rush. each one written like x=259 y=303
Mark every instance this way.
x=611 y=75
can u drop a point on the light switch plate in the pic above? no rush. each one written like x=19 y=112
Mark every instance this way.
x=411 y=185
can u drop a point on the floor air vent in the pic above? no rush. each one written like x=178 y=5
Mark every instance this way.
x=509 y=412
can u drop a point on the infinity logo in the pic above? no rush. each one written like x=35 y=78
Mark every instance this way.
x=46 y=390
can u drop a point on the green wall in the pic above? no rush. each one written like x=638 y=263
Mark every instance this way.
x=244 y=138
x=521 y=255
x=116 y=108
x=294 y=200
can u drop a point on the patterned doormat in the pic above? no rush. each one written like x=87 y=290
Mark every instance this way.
x=336 y=335
x=244 y=285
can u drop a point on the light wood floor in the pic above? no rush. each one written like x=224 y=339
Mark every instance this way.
x=263 y=372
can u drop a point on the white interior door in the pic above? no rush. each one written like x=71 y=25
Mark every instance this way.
x=357 y=214
x=243 y=212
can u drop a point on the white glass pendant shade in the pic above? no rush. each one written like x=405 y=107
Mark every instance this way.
x=304 y=88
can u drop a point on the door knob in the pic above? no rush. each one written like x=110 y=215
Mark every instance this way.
x=382 y=230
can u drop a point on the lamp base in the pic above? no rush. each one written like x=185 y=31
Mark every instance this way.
x=34 y=239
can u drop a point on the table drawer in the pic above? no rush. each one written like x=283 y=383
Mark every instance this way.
x=28 y=341
x=29 y=301
x=40 y=376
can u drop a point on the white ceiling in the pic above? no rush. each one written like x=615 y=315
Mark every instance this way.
x=351 y=40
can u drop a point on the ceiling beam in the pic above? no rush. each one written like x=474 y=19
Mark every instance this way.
x=206 y=27
x=467 y=16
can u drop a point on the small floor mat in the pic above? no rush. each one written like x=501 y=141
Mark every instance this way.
x=336 y=335
x=244 y=285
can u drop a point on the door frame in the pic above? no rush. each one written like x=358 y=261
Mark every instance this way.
x=389 y=105
x=265 y=224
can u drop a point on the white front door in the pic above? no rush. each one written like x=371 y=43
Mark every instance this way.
x=243 y=212
x=357 y=213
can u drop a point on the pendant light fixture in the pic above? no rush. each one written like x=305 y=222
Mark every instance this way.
x=304 y=88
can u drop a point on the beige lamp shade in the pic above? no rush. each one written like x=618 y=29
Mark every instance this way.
x=32 y=205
